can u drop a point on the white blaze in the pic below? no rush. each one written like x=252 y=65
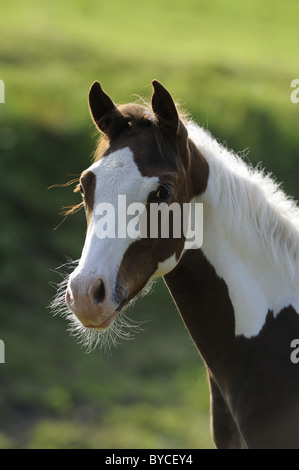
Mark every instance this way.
x=116 y=174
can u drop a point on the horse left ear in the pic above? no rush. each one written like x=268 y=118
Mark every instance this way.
x=104 y=112
x=165 y=109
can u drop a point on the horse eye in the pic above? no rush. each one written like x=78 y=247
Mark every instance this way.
x=163 y=193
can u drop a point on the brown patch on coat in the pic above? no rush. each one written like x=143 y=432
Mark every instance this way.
x=88 y=184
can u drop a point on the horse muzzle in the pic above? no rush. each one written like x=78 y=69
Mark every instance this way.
x=91 y=302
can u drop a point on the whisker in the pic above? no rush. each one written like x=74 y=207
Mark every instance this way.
x=123 y=327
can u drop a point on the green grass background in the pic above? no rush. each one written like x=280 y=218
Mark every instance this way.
x=230 y=64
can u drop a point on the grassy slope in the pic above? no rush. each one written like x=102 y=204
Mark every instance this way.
x=231 y=65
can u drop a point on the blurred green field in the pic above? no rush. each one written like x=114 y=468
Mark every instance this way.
x=230 y=65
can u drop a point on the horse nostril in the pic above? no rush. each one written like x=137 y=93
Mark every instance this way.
x=68 y=297
x=98 y=292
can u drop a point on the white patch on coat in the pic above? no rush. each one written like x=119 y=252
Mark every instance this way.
x=251 y=235
x=165 y=266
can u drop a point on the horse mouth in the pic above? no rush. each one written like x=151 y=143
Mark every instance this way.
x=108 y=321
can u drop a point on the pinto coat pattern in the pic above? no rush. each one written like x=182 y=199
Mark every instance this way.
x=238 y=294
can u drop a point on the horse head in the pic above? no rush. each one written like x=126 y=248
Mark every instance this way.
x=144 y=160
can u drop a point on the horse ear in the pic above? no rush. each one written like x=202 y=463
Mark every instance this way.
x=165 y=108
x=104 y=112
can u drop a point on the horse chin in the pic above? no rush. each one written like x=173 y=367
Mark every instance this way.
x=106 y=323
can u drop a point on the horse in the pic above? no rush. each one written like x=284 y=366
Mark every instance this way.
x=237 y=292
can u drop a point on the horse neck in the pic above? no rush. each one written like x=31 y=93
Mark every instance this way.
x=248 y=263
x=203 y=302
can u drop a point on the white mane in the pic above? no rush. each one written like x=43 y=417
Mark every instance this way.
x=251 y=200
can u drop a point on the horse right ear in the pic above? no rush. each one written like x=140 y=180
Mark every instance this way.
x=165 y=109
x=104 y=112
